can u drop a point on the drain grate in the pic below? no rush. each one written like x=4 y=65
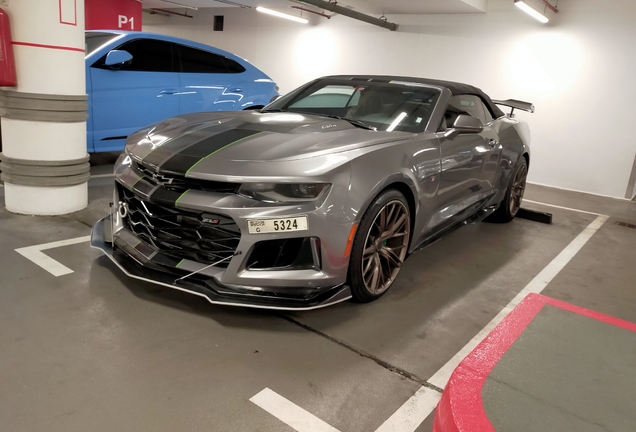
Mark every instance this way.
x=626 y=225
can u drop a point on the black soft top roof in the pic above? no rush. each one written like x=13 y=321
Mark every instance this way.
x=454 y=87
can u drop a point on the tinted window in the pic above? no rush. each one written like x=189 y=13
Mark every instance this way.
x=197 y=61
x=149 y=55
x=466 y=105
x=489 y=116
x=233 y=67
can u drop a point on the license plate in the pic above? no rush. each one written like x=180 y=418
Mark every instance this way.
x=265 y=226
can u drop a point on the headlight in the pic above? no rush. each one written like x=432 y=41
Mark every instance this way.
x=283 y=192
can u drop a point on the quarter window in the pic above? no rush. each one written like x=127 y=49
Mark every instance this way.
x=233 y=67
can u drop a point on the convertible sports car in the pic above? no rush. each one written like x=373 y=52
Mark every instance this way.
x=317 y=198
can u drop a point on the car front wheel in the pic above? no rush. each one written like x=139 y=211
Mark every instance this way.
x=380 y=246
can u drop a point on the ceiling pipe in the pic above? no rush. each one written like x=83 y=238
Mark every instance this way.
x=312 y=11
x=333 y=7
x=180 y=4
x=164 y=11
x=549 y=6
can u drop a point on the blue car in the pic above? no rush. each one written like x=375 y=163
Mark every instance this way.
x=135 y=79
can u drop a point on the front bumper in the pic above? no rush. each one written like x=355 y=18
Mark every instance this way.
x=137 y=260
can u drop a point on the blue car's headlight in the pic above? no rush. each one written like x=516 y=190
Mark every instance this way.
x=284 y=192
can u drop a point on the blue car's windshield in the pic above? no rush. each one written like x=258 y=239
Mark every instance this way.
x=96 y=39
x=387 y=106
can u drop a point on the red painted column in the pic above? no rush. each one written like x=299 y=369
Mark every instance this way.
x=113 y=14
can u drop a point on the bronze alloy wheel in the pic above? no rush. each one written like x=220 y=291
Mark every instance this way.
x=385 y=247
x=517 y=189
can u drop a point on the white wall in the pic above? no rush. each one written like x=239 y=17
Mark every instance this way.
x=578 y=70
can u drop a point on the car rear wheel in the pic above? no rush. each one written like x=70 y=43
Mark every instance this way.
x=511 y=204
x=380 y=246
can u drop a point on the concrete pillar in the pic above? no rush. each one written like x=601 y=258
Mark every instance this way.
x=44 y=161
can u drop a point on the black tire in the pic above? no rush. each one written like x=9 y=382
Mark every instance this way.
x=388 y=250
x=511 y=203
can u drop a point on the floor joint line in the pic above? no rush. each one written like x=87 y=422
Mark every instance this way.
x=395 y=369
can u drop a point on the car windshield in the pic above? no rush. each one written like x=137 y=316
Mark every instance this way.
x=96 y=39
x=386 y=106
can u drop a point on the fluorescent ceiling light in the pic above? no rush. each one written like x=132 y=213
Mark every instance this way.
x=531 y=11
x=282 y=15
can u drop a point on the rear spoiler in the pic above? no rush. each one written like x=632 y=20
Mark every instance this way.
x=515 y=104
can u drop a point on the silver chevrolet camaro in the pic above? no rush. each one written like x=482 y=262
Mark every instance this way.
x=317 y=198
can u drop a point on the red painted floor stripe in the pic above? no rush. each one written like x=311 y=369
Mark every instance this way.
x=461 y=408
x=608 y=319
x=57 y=47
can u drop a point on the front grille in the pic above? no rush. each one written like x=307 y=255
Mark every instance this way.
x=181 y=183
x=182 y=234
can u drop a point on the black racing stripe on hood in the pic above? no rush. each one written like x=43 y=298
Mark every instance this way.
x=181 y=142
x=187 y=158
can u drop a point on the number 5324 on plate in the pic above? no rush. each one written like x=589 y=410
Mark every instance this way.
x=264 y=226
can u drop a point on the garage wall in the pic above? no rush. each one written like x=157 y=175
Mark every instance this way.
x=578 y=70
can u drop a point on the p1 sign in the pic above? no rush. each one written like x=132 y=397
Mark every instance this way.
x=113 y=15
x=123 y=22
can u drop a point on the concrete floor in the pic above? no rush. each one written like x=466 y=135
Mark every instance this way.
x=96 y=351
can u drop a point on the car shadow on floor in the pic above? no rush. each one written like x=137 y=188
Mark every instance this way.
x=430 y=281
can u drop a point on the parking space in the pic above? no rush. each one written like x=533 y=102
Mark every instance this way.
x=96 y=349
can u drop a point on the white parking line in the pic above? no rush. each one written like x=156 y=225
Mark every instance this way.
x=536 y=285
x=561 y=207
x=290 y=413
x=34 y=253
x=414 y=411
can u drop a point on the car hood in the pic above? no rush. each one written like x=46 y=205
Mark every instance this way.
x=241 y=143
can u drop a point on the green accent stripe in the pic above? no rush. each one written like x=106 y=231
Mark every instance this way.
x=218 y=150
x=176 y=203
x=137 y=181
x=180 y=262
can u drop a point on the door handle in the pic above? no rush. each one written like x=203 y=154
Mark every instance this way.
x=493 y=143
x=168 y=92
x=236 y=90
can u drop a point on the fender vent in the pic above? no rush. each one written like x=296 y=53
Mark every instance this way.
x=626 y=225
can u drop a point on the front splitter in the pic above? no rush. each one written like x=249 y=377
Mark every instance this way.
x=135 y=270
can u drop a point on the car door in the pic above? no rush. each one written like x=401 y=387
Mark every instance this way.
x=209 y=82
x=135 y=95
x=468 y=162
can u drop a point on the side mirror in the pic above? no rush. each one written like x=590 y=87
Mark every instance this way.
x=465 y=124
x=116 y=59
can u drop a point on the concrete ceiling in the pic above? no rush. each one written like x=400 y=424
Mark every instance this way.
x=366 y=6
